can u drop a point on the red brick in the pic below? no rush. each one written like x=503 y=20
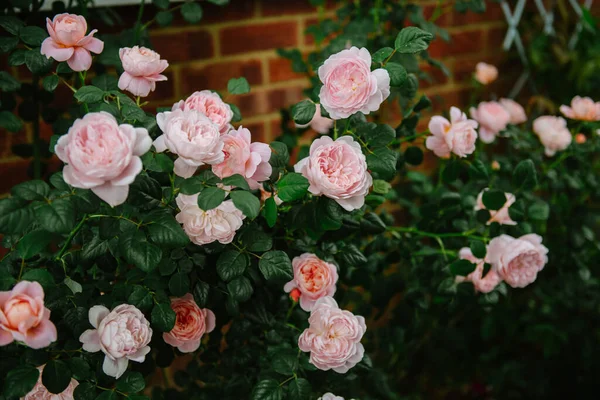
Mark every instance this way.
x=436 y=75
x=444 y=101
x=12 y=173
x=242 y=9
x=215 y=76
x=165 y=89
x=252 y=104
x=495 y=39
x=266 y=102
x=283 y=98
x=183 y=46
x=460 y=43
x=278 y=7
x=280 y=69
x=257 y=129
x=265 y=36
x=276 y=129
x=493 y=12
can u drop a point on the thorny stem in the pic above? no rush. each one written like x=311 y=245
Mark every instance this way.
x=71 y=236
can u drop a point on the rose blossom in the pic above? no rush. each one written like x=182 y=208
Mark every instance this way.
x=68 y=42
x=492 y=118
x=457 y=135
x=349 y=85
x=122 y=334
x=338 y=170
x=191 y=323
x=582 y=108
x=204 y=227
x=553 y=133
x=517 y=261
x=330 y=396
x=24 y=318
x=251 y=160
x=485 y=73
x=318 y=123
x=209 y=104
x=515 y=110
x=39 y=391
x=143 y=68
x=481 y=284
x=102 y=155
x=333 y=337
x=500 y=216
x=314 y=278
x=192 y=136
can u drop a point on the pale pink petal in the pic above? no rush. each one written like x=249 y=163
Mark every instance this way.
x=128 y=175
x=159 y=143
x=113 y=195
x=51 y=50
x=42 y=335
x=90 y=341
x=5 y=337
x=183 y=169
x=115 y=368
x=140 y=355
x=97 y=314
x=81 y=60
x=210 y=320
x=189 y=346
x=91 y=43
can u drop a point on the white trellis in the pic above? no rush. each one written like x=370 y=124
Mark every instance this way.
x=513 y=37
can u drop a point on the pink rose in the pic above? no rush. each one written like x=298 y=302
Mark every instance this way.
x=68 y=42
x=202 y=227
x=349 y=85
x=102 y=155
x=582 y=108
x=517 y=261
x=192 y=136
x=318 y=123
x=338 y=170
x=485 y=73
x=143 y=68
x=500 y=216
x=39 y=391
x=515 y=110
x=553 y=133
x=330 y=396
x=251 y=160
x=209 y=104
x=122 y=334
x=192 y=322
x=492 y=118
x=314 y=278
x=24 y=318
x=481 y=284
x=457 y=135
x=333 y=337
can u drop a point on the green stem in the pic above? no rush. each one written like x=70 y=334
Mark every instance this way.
x=467 y=234
x=290 y=310
x=335 y=130
x=153 y=20
x=138 y=24
x=37 y=157
x=71 y=236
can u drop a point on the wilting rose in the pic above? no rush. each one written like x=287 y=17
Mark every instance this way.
x=330 y=396
x=68 y=42
x=191 y=324
x=122 y=334
x=483 y=284
x=349 y=85
x=318 y=123
x=456 y=136
x=314 y=278
x=338 y=170
x=515 y=110
x=553 y=133
x=24 y=318
x=192 y=136
x=102 y=155
x=39 y=391
x=492 y=118
x=517 y=261
x=582 y=108
x=203 y=227
x=485 y=73
x=500 y=216
x=333 y=337
x=143 y=68
x=209 y=104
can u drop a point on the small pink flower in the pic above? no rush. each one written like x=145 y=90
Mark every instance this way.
x=517 y=261
x=553 y=133
x=338 y=170
x=330 y=396
x=456 y=136
x=191 y=324
x=68 y=42
x=349 y=85
x=500 y=216
x=209 y=104
x=515 y=110
x=251 y=160
x=580 y=138
x=481 y=284
x=122 y=334
x=492 y=118
x=582 y=108
x=102 y=155
x=318 y=123
x=143 y=68
x=39 y=391
x=485 y=73
x=24 y=318
x=314 y=278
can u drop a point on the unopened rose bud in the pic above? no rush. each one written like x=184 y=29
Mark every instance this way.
x=580 y=138
x=495 y=165
x=295 y=295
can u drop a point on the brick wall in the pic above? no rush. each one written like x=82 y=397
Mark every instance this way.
x=241 y=39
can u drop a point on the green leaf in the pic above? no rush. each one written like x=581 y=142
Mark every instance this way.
x=382 y=162
x=240 y=289
x=412 y=40
x=280 y=156
x=131 y=382
x=275 y=265
x=141 y=298
x=191 y=186
x=31 y=190
x=478 y=249
x=17 y=57
x=382 y=54
x=163 y=317
x=328 y=214
x=106 y=82
x=138 y=251
x=270 y=211
x=33 y=35
x=299 y=389
x=165 y=230
x=267 y=389
x=303 y=112
x=131 y=112
x=256 y=240
x=210 y=198
x=524 y=176
x=15 y=215
x=462 y=267
x=162 y=4
x=108 y=395
x=37 y=63
x=85 y=391
x=58 y=216
x=478 y=170
x=381 y=187
x=20 y=380
x=8 y=83
x=41 y=276
x=539 y=211
x=89 y=94
x=413 y=155
x=376 y=135
x=56 y=376
x=191 y=12
x=11 y=24
x=517 y=211
x=352 y=256
x=10 y=122
x=398 y=74
x=237 y=114
x=451 y=171
x=285 y=362
x=50 y=83
x=238 y=86
x=493 y=199
x=246 y=202
x=292 y=186
x=179 y=284
x=33 y=243
x=8 y=43
x=237 y=181
x=231 y=264
x=200 y=292
x=219 y=2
